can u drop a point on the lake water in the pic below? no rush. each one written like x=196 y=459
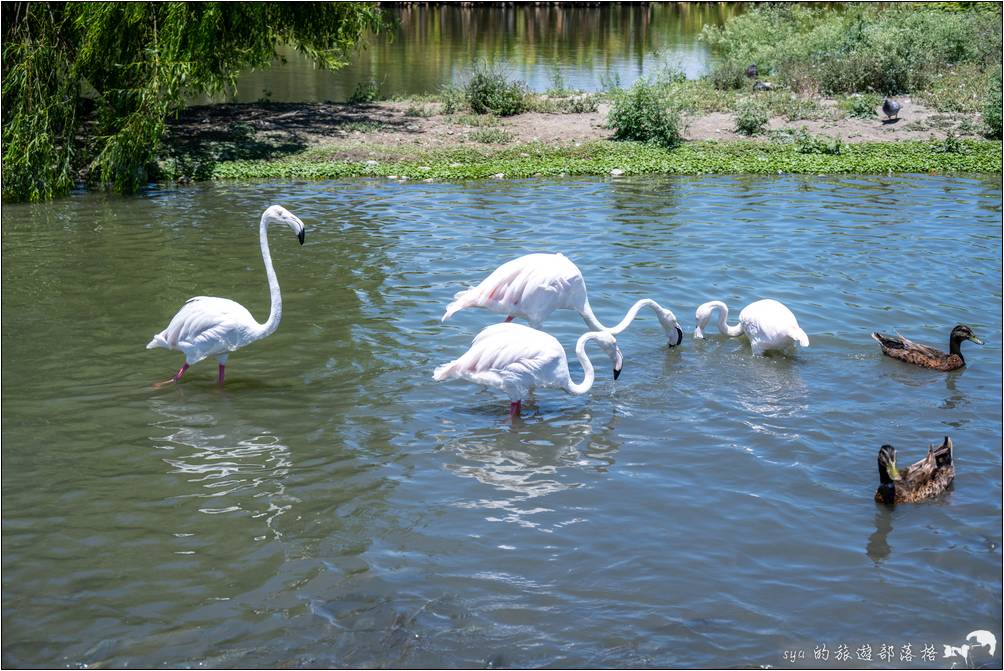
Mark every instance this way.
x=437 y=44
x=335 y=507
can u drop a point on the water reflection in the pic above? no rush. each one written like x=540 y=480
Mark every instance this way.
x=525 y=461
x=878 y=549
x=436 y=44
x=239 y=470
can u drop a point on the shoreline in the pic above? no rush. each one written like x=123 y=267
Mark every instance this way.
x=414 y=140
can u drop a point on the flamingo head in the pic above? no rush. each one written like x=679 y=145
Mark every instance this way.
x=279 y=214
x=608 y=342
x=674 y=334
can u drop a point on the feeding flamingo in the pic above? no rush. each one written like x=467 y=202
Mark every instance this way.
x=535 y=285
x=516 y=358
x=770 y=325
x=209 y=326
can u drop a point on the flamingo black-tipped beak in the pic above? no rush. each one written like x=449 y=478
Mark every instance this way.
x=679 y=337
x=301 y=235
x=617 y=373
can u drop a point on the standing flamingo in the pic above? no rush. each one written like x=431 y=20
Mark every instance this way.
x=209 y=326
x=517 y=358
x=768 y=324
x=535 y=285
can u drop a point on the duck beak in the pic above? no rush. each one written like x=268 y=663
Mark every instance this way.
x=975 y=340
x=891 y=470
x=301 y=235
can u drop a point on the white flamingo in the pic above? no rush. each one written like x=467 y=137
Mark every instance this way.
x=535 y=285
x=209 y=326
x=768 y=324
x=517 y=358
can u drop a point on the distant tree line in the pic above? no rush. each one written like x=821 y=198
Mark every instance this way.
x=87 y=87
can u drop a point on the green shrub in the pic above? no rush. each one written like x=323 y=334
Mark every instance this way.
x=576 y=105
x=639 y=114
x=419 y=110
x=751 y=117
x=861 y=106
x=806 y=143
x=887 y=48
x=490 y=91
x=492 y=136
x=728 y=76
x=992 y=108
x=477 y=120
x=366 y=91
x=454 y=98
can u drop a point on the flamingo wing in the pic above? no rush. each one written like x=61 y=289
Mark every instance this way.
x=531 y=286
x=510 y=357
x=204 y=326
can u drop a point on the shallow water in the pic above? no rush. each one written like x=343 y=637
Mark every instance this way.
x=334 y=506
x=434 y=45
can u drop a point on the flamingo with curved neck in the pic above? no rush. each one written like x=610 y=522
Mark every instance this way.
x=210 y=326
x=768 y=324
x=535 y=285
x=515 y=359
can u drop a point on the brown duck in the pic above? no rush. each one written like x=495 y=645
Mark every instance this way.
x=924 y=480
x=900 y=348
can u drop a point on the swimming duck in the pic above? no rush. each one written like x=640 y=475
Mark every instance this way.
x=899 y=347
x=925 y=479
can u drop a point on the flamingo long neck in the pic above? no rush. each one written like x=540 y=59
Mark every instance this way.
x=589 y=317
x=275 y=312
x=587 y=366
x=668 y=325
x=723 y=317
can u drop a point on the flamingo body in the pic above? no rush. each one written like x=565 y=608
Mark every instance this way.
x=532 y=286
x=516 y=359
x=209 y=326
x=768 y=324
x=535 y=285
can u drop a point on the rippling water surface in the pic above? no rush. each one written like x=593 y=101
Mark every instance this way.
x=334 y=506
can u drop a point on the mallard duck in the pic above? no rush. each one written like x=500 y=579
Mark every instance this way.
x=900 y=348
x=925 y=479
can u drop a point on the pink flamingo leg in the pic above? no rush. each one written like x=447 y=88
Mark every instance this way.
x=177 y=376
x=220 y=380
x=508 y=319
x=514 y=409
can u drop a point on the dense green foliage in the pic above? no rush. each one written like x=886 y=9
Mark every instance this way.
x=88 y=86
x=490 y=91
x=992 y=110
x=640 y=114
x=752 y=117
x=804 y=155
x=887 y=48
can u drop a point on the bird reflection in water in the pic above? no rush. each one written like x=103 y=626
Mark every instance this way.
x=235 y=474
x=878 y=544
x=527 y=461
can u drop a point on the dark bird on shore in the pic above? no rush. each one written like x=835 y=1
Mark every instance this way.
x=923 y=480
x=890 y=108
x=762 y=86
x=751 y=71
x=900 y=348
